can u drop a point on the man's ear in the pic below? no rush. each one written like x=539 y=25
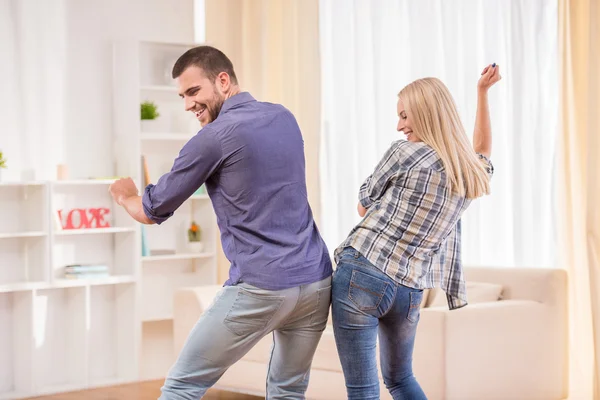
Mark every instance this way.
x=223 y=82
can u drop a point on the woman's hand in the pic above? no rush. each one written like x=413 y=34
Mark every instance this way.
x=489 y=76
x=361 y=210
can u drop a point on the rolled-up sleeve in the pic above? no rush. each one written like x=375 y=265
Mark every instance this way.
x=374 y=186
x=489 y=167
x=196 y=162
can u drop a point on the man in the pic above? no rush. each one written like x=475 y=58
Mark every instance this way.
x=251 y=156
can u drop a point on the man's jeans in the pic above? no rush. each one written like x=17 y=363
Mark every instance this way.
x=239 y=317
x=366 y=302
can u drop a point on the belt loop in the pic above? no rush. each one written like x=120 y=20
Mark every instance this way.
x=356 y=254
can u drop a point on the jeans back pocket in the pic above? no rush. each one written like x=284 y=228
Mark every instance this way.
x=251 y=313
x=366 y=291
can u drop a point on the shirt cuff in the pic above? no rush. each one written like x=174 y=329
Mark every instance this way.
x=364 y=199
x=454 y=302
x=489 y=167
x=149 y=209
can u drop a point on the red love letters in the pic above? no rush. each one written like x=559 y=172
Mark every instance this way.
x=85 y=218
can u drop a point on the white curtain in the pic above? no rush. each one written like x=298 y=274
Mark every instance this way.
x=371 y=49
x=32 y=82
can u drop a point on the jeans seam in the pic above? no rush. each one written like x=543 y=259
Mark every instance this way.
x=391 y=302
x=359 y=264
x=318 y=293
x=292 y=313
x=411 y=308
x=366 y=290
x=269 y=368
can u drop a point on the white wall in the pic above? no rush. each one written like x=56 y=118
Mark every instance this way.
x=56 y=77
x=91 y=26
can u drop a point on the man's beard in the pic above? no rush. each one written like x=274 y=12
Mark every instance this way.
x=215 y=108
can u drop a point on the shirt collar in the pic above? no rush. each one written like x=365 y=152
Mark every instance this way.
x=240 y=98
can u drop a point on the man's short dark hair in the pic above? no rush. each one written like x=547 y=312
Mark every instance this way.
x=212 y=61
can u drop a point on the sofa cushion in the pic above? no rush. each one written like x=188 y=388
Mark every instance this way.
x=477 y=292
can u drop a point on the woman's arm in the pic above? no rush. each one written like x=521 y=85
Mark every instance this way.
x=385 y=171
x=482 y=135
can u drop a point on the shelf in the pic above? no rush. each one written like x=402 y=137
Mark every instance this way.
x=71 y=232
x=168 y=257
x=17 y=183
x=22 y=286
x=84 y=182
x=22 y=235
x=179 y=137
x=159 y=88
x=169 y=45
x=108 y=280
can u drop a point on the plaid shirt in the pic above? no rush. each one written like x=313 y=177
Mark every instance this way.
x=412 y=228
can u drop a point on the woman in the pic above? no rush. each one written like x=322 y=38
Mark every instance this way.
x=409 y=238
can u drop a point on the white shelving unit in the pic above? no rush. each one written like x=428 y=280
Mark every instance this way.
x=59 y=334
x=59 y=339
x=24 y=244
x=16 y=344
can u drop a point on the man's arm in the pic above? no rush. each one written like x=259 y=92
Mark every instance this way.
x=125 y=194
x=196 y=162
x=133 y=206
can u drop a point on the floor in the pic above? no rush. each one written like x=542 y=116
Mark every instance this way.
x=148 y=390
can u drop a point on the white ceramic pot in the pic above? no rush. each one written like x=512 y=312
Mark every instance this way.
x=195 y=247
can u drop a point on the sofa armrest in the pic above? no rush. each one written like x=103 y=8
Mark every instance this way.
x=507 y=349
x=188 y=306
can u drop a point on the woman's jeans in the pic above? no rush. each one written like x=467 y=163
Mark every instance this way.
x=366 y=302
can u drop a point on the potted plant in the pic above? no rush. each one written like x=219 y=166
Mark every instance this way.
x=2 y=164
x=195 y=237
x=149 y=115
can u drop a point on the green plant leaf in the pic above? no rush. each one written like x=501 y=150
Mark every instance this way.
x=149 y=110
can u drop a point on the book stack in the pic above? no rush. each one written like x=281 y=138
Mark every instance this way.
x=85 y=271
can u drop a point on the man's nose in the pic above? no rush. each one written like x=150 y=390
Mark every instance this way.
x=189 y=104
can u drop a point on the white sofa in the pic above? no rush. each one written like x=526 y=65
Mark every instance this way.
x=513 y=348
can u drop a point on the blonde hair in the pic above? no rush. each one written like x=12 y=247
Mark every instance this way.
x=436 y=122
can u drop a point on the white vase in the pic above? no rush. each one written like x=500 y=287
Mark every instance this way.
x=195 y=247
